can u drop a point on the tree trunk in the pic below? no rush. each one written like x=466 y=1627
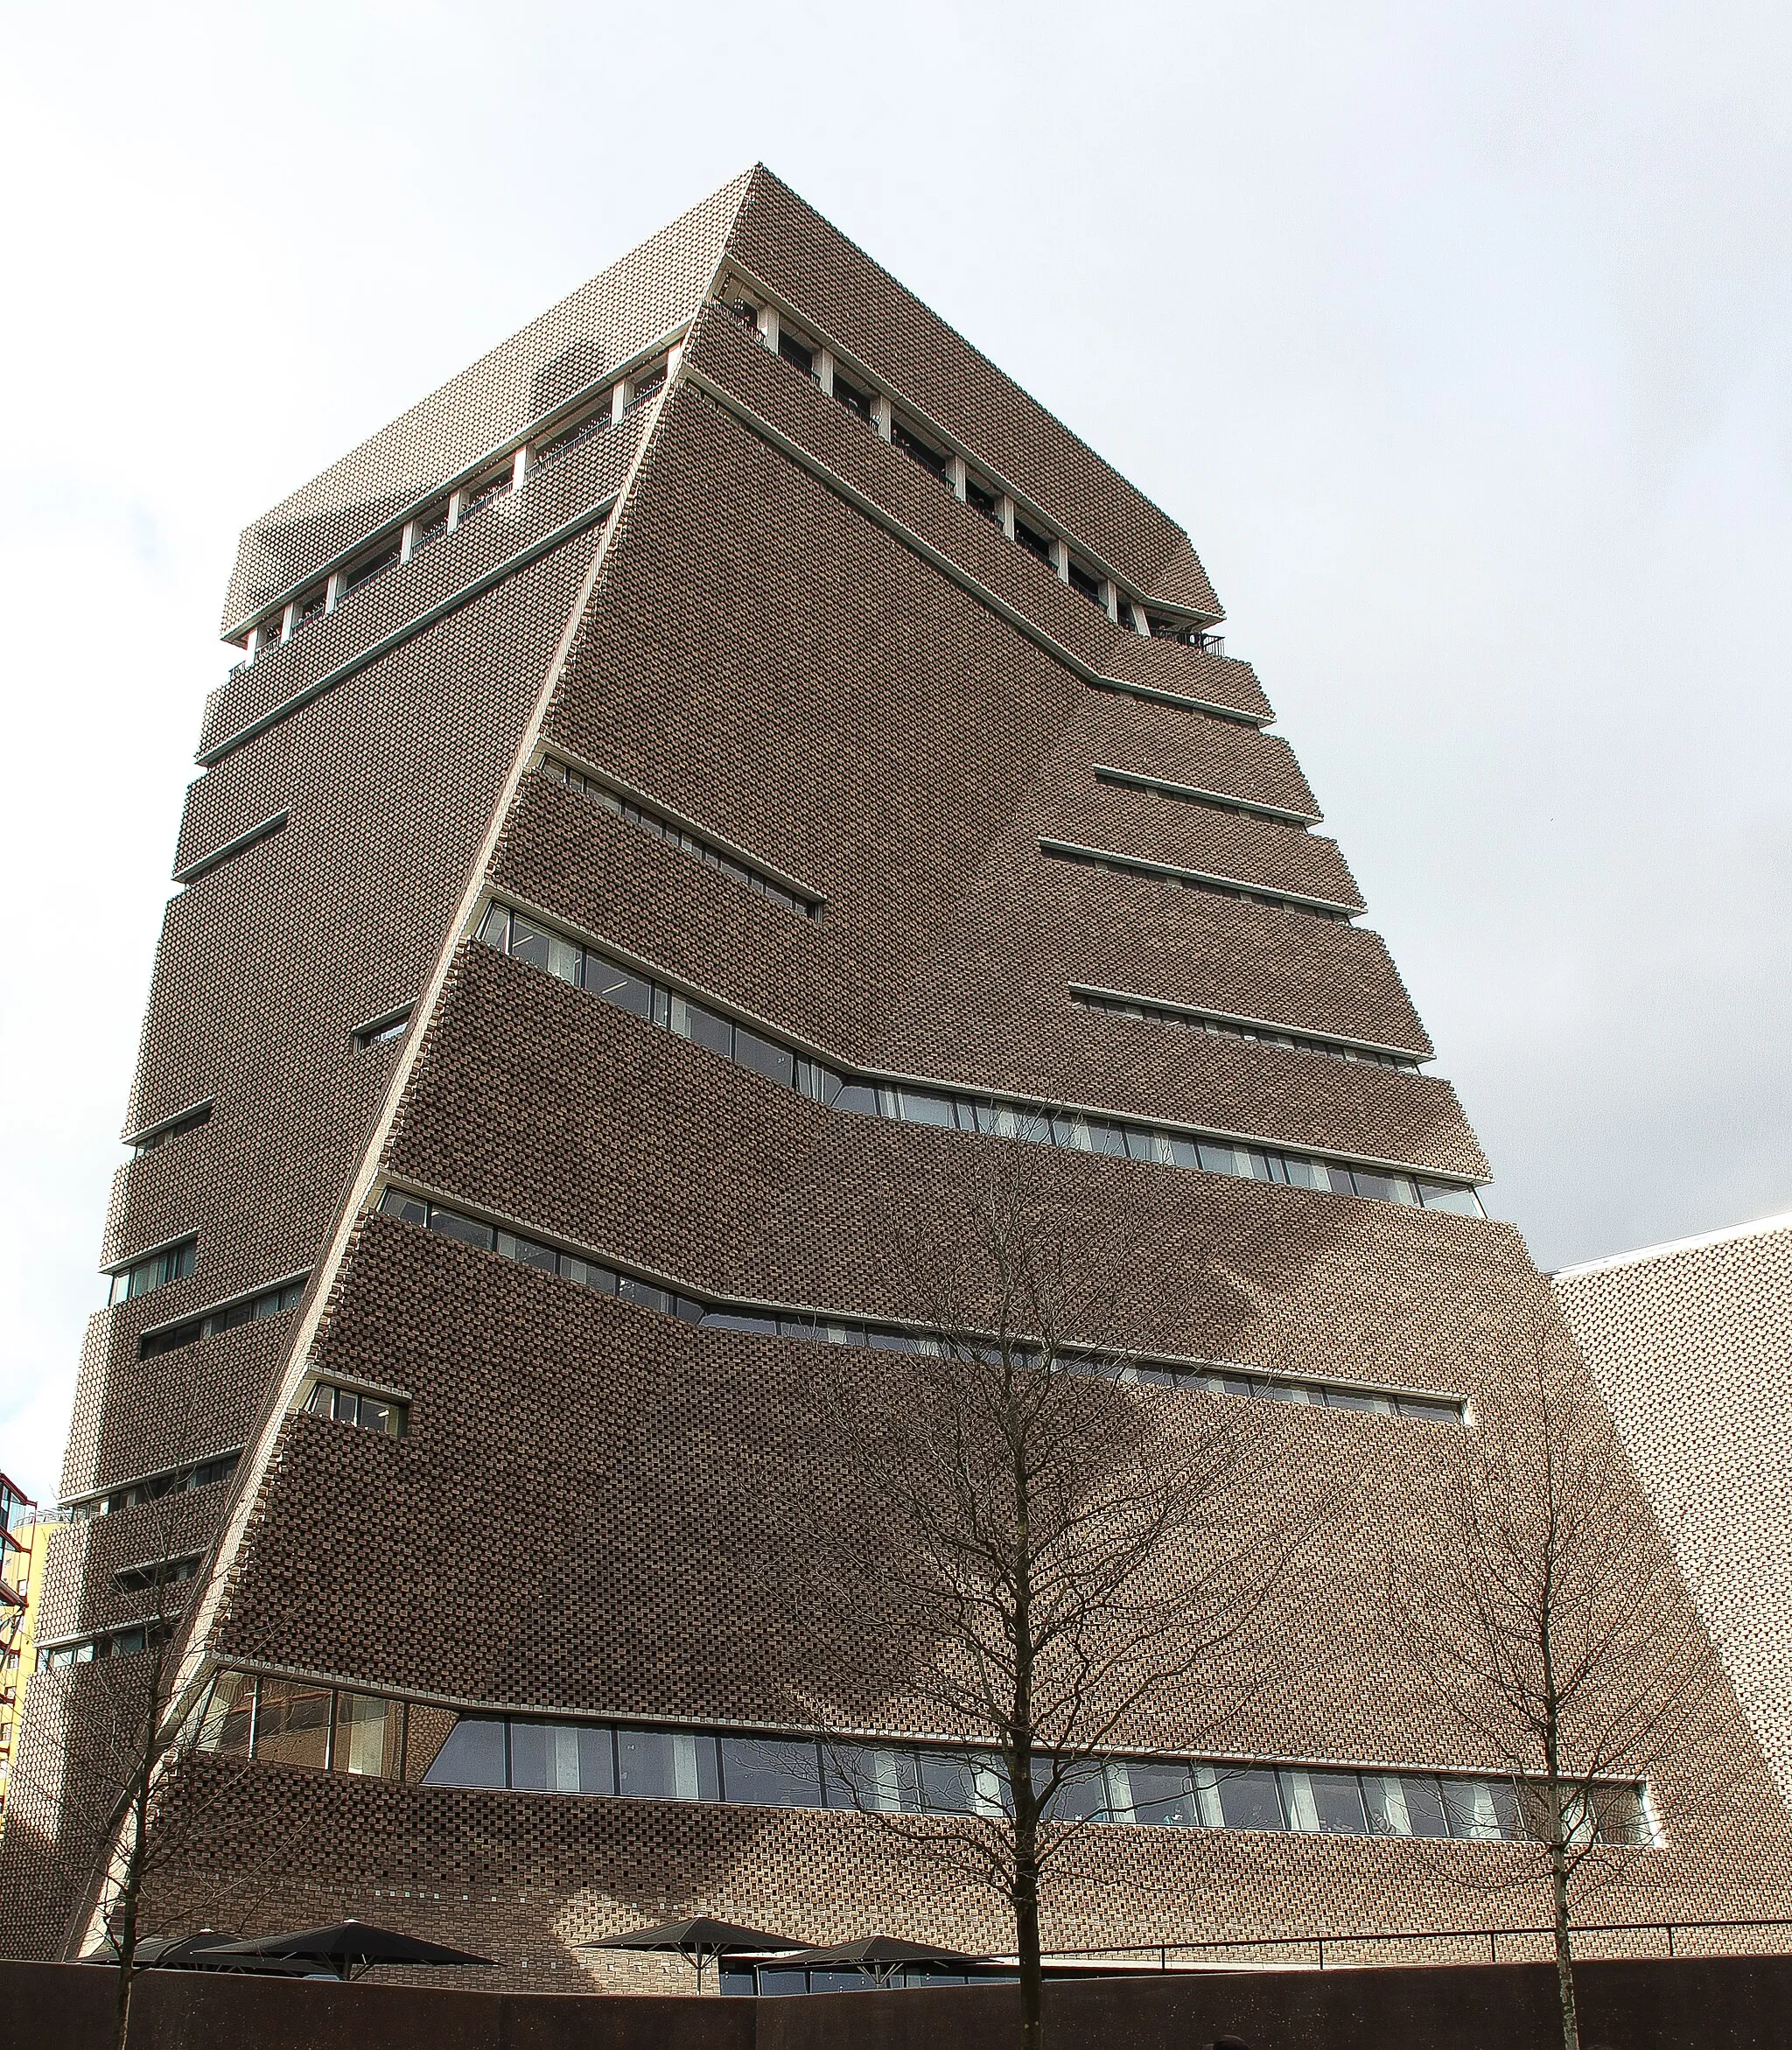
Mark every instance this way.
x=1026 y=1945
x=126 y=1955
x=1564 y=1943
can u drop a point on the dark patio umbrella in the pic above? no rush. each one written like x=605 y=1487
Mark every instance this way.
x=346 y=1948
x=699 y=1939
x=879 y=1957
x=196 y=1952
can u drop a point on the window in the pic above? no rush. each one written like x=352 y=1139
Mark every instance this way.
x=171 y=1263
x=475 y=497
x=763 y=1321
x=389 y=1415
x=793 y=351
x=1034 y=542
x=1236 y=1028
x=524 y=940
x=662 y=828
x=295 y=1722
x=645 y=383
x=1087 y=582
x=918 y=451
x=855 y=401
x=368 y=567
x=172 y=1128
x=982 y=499
x=377 y=1031
x=1157 y=871
x=169 y=1338
x=153 y=1488
x=155 y=1573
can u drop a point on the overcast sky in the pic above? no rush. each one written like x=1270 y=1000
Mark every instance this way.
x=1458 y=337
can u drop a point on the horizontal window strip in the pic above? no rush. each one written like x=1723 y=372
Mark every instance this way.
x=1228 y=1026
x=400 y=636
x=249 y=1309
x=170 y=1128
x=150 y=1487
x=1160 y=871
x=301 y=1722
x=152 y=1270
x=937 y=559
x=546 y=441
x=525 y=938
x=821 y=1328
x=1216 y=800
x=230 y=849
x=663 y=826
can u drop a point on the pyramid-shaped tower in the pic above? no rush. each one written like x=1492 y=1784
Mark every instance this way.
x=691 y=787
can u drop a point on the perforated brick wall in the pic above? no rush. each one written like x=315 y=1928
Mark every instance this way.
x=1692 y=1345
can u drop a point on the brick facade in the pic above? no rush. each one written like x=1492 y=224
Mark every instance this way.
x=778 y=627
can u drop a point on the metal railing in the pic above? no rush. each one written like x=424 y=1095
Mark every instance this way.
x=1659 y=1939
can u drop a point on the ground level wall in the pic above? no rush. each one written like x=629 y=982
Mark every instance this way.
x=1739 y=2003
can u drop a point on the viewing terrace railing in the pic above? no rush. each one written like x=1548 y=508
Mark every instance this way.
x=1738 y=1937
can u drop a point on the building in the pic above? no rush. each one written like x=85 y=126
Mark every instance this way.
x=703 y=777
x=18 y=1591
x=1692 y=1342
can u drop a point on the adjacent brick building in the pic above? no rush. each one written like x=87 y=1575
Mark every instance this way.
x=1692 y=1343
x=693 y=786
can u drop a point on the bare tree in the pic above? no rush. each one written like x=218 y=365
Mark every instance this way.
x=1555 y=1623
x=123 y=1744
x=1046 y=1550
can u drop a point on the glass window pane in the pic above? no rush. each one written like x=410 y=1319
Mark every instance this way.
x=771 y=1772
x=226 y=1725
x=1337 y=1179
x=1303 y=1173
x=528 y=1757
x=860 y=1098
x=322 y=1400
x=474 y=1756
x=1371 y=1182
x=412 y=1209
x=1107 y=1138
x=1218 y=1159
x=776 y=1062
x=529 y=941
x=1468 y=1808
x=1083 y=1795
x=1618 y=1811
x=292 y=1723
x=1404 y=1805
x=615 y=985
x=1431 y=1412
x=369 y=1734
x=667 y=1765
x=920 y=1108
x=453 y=1226
x=596 y=1748
x=1249 y=1800
x=1162 y=1794
x=1351 y=1398
x=692 y=1021
x=737 y=1321
x=563 y=959
x=1328 y=1803
x=643 y=1294
x=347 y=1406
x=496 y=932
x=1449 y=1196
x=868 y=1776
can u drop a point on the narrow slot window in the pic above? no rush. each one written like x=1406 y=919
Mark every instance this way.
x=795 y=352
x=918 y=451
x=1034 y=542
x=857 y=402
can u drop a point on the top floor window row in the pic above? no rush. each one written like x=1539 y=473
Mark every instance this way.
x=983 y=493
x=1238 y=1028
x=761 y=1321
x=454 y=508
x=524 y=939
